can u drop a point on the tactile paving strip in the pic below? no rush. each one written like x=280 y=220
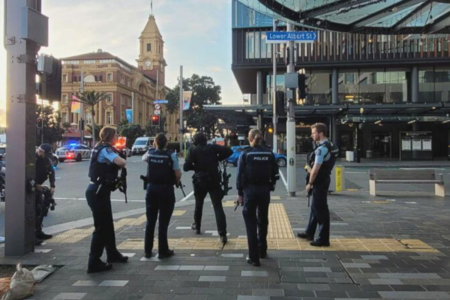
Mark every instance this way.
x=279 y=225
x=349 y=245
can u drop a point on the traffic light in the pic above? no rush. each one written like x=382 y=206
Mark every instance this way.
x=81 y=124
x=281 y=103
x=302 y=87
x=39 y=123
x=155 y=120
x=49 y=71
x=270 y=130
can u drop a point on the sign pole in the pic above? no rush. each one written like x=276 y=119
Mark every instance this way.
x=181 y=109
x=290 y=126
x=274 y=91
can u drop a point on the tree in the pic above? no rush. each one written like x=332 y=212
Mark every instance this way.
x=204 y=92
x=90 y=99
x=50 y=125
x=130 y=131
x=66 y=125
x=95 y=130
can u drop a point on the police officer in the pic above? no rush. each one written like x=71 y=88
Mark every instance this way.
x=204 y=160
x=163 y=171
x=321 y=163
x=256 y=177
x=44 y=171
x=103 y=172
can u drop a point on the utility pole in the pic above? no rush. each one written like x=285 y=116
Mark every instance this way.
x=290 y=126
x=274 y=90
x=81 y=123
x=26 y=29
x=181 y=110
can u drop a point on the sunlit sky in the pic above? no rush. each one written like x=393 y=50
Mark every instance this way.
x=197 y=35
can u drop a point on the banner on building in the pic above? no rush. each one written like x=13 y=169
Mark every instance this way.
x=187 y=95
x=75 y=107
x=129 y=115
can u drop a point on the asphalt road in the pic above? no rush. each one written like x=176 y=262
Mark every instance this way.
x=72 y=180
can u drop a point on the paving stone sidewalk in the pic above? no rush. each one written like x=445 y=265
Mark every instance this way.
x=382 y=248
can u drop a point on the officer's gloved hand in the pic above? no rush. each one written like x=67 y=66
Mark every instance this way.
x=123 y=153
x=272 y=188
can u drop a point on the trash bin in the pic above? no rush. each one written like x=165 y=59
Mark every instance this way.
x=369 y=153
x=349 y=156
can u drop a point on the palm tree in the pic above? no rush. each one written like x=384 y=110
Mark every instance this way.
x=90 y=99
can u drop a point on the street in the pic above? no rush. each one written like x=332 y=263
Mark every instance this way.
x=72 y=180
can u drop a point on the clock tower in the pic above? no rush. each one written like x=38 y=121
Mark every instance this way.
x=151 y=51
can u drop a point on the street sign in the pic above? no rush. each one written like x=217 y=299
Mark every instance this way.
x=160 y=101
x=157 y=112
x=157 y=106
x=286 y=36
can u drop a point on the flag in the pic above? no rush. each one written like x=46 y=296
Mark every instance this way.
x=75 y=107
x=187 y=99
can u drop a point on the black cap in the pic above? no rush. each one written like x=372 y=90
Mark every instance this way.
x=47 y=148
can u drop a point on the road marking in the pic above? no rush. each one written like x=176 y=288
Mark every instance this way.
x=187 y=197
x=112 y=200
x=284 y=180
x=355 y=172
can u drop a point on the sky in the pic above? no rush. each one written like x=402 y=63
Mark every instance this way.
x=197 y=35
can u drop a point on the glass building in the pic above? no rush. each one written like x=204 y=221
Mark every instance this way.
x=367 y=84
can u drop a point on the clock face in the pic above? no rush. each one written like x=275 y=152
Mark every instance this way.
x=148 y=63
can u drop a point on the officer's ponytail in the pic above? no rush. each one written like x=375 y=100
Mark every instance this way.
x=107 y=135
x=161 y=141
x=255 y=137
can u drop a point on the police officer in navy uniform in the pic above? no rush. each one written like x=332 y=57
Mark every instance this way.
x=256 y=177
x=44 y=171
x=204 y=160
x=103 y=173
x=320 y=165
x=163 y=171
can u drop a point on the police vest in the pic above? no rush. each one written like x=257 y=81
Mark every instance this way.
x=327 y=165
x=206 y=161
x=102 y=172
x=258 y=165
x=160 y=167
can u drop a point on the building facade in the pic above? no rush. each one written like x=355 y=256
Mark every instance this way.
x=128 y=86
x=382 y=95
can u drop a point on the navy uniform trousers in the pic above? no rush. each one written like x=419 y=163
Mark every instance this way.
x=319 y=212
x=216 y=194
x=160 y=199
x=256 y=217
x=104 y=236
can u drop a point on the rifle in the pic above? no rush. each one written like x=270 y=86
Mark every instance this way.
x=180 y=185
x=122 y=183
x=225 y=179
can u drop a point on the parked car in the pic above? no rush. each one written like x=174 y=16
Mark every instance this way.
x=142 y=144
x=237 y=150
x=75 y=152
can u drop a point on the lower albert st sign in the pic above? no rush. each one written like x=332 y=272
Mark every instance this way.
x=287 y=36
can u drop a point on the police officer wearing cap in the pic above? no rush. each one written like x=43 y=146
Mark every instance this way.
x=256 y=177
x=320 y=165
x=103 y=173
x=163 y=171
x=44 y=171
x=204 y=160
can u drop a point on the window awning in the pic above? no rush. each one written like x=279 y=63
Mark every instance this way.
x=362 y=16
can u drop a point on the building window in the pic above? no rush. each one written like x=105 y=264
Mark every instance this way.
x=89 y=118
x=347 y=88
x=95 y=77
x=89 y=62
x=65 y=99
x=122 y=80
x=110 y=77
x=110 y=98
x=74 y=78
x=65 y=78
x=109 y=120
x=250 y=42
x=319 y=86
x=101 y=78
x=64 y=117
x=149 y=47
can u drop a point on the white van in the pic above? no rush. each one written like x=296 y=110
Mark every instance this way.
x=142 y=144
